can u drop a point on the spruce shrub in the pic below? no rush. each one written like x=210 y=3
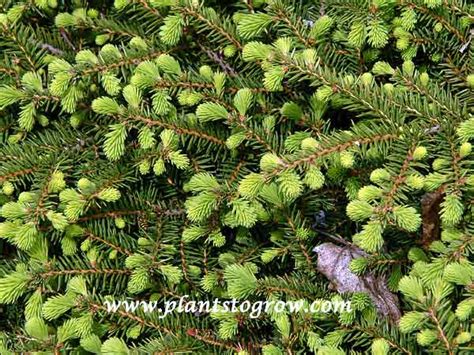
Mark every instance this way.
x=262 y=150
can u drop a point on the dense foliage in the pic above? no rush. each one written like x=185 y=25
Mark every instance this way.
x=152 y=149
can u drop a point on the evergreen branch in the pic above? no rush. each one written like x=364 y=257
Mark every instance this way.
x=112 y=214
x=17 y=42
x=296 y=293
x=309 y=260
x=121 y=250
x=102 y=27
x=176 y=128
x=215 y=27
x=16 y=173
x=441 y=333
x=205 y=338
x=184 y=267
x=39 y=209
x=376 y=333
x=330 y=150
x=100 y=68
x=38 y=98
x=409 y=83
x=8 y=71
x=240 y=121
x=337 y=88
x=235 y=172
x=453 y=6
x=438 y=18
x=283 y=17
x=399 y=179
x=455 y=165
x=95 y=307
x=147 y=7
x=94 y=271
x=168 y=84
